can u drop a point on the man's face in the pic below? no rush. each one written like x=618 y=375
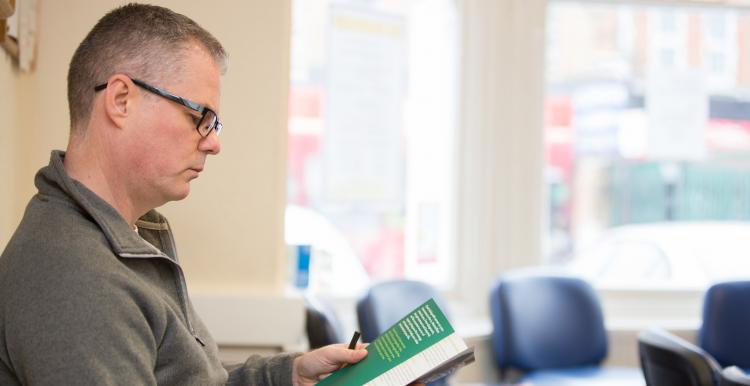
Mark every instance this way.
x=167 y=150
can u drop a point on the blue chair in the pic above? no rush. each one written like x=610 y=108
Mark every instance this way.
x=386 y=303
x=551 y=327
x=725 y=333
x=668 y=360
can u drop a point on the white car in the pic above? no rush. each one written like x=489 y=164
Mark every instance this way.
x=667 y=255
x=335 y=268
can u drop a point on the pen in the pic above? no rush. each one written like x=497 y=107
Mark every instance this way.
x=353 y=342
x=352 y=345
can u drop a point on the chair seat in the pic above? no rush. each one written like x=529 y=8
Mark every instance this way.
x=585 y=376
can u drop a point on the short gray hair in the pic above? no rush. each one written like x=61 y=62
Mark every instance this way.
x=146 y=41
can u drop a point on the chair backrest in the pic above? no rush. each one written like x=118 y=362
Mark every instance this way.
x=321 y=323
x=668 y=360
x=388 y=302
x=725 y=333
x=544 y=321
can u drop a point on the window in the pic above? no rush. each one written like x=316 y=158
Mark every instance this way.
x=647 y=143
x=371 y=124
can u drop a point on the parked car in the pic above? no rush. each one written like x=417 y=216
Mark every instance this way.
x=667 y=255
x=335 y=268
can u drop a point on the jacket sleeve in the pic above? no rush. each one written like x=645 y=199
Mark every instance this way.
x=262 y=370
x=67 y=330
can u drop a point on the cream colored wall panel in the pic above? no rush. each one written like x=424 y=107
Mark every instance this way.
x=8 y=130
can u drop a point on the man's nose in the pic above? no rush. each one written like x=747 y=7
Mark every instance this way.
x=210 y=143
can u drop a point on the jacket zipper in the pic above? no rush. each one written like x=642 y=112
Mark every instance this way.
x=181 y=290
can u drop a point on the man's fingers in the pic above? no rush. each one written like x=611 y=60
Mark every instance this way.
x=354 y=356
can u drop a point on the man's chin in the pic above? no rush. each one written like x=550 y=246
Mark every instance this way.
x=180 y=194
x=183 y=195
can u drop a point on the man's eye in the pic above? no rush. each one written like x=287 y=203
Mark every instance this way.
x=196 y=120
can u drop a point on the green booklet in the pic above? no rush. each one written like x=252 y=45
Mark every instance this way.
x=421 y=347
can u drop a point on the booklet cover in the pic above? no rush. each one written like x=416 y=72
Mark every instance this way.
x=421 y=347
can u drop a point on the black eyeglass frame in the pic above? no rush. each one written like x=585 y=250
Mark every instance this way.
x=200 y=109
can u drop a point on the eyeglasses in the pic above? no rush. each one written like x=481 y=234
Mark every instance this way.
x=209 y=120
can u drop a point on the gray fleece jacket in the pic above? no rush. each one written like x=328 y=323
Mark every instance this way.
x=85 y=300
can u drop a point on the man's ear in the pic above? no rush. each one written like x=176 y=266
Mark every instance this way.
x=119 y=99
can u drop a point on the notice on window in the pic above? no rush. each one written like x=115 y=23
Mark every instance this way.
x=677 y=110
x=362 y=152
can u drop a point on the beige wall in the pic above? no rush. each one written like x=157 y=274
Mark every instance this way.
x=229 y=231
x=8 y=132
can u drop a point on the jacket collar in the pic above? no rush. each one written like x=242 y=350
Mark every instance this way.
x=53 y=180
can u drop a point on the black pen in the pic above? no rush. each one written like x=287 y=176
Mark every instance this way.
x=352 y=345
x=353 y=342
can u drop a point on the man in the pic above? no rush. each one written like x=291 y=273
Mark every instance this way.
x=91 y=292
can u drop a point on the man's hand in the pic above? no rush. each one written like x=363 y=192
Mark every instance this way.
x=310 y=368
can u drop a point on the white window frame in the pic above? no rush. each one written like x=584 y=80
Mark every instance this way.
x=499 y=185
x=500 y=193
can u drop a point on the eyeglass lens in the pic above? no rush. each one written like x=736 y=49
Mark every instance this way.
x=208 y=123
